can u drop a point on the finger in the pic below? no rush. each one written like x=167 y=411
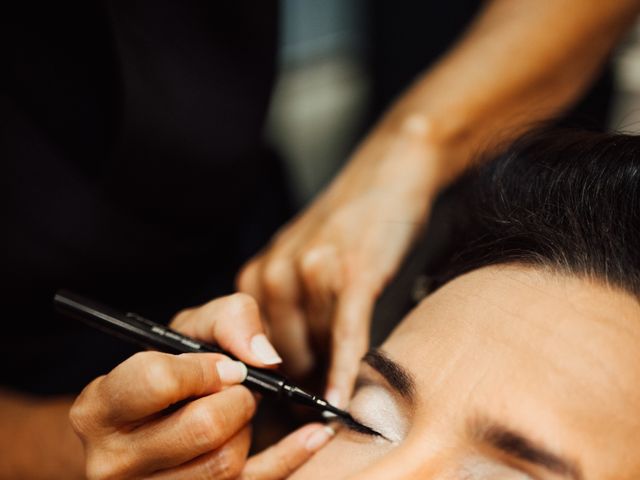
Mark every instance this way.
x=291 y=337
x=197 y=428
x=234 y=323
x=319 y=273
x=289 y=331
x=281 y=460
x=349 y=342
x=149 y=382
x=224 y=463
x=248 y=279
x=318 y=317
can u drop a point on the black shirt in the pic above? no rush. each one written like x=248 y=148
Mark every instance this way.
x=131 y=138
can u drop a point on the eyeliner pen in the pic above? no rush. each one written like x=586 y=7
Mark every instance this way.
x=134 y=328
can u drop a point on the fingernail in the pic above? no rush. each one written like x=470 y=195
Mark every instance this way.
x=231 y=372
x=262 y=348
x=319 y=438
x=333 y=397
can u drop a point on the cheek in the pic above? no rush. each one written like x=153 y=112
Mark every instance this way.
x=346 y=454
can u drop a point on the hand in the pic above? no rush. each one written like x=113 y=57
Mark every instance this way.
x=160 y=416
x=320 y=276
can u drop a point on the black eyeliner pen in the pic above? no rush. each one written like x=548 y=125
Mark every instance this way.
x=139 y=330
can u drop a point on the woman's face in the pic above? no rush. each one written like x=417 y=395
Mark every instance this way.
x=504 y=373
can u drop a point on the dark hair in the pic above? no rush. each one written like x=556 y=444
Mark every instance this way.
x=567 y=200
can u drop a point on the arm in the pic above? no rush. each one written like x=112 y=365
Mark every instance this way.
x=521 y=61
x=36 y=439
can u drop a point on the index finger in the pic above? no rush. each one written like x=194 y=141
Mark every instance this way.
x=349 y=342
x=149 y=382
x=234 y=323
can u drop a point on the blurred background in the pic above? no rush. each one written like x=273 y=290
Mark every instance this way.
x=323 y=100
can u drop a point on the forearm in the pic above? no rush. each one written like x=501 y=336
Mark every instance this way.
x=36 y=439
x=521 y=61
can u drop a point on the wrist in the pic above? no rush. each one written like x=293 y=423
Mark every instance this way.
x=433 y=154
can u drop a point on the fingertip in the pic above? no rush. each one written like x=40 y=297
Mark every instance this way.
x=231 y=371
x=334 y=397
x=263 y=350
x=312 y=436
x=318 y=438
x=342 y=377
x=282 y=459
x=340 y=386
x=345 y=362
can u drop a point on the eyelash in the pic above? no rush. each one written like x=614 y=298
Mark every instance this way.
x=358 y=427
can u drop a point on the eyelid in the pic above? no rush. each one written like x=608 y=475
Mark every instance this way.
x=357 y=424
x=369 y=376
x=374 y=406
x=357 y=427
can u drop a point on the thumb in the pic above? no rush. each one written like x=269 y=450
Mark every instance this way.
x=282 y=459
x=349 y=342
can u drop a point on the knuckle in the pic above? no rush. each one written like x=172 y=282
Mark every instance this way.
x=208 y=426
x=311 y=263
x=243 y=304
x=275 y=276
x=244 y=279
x=82 y=413
x=224 y=464
x=139 y=360
x=157 y=376
x=181 y=317
x=78 y=417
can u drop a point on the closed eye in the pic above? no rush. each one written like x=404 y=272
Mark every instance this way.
x=356 y=426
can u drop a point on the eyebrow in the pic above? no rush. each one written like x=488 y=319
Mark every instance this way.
x=517 y=445
x=398 y=377
x=485 y=430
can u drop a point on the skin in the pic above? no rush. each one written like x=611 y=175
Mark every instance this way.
x=552 y=357
x=520 y=62
x=162 y=416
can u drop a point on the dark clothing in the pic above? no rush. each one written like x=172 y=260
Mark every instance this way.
x=131 y=138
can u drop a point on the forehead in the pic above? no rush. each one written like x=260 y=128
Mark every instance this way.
x=554 y=355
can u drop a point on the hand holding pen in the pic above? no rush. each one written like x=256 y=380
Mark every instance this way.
x=127 y=431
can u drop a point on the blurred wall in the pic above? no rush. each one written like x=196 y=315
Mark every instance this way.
x=321 y=95
x=626 y=111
